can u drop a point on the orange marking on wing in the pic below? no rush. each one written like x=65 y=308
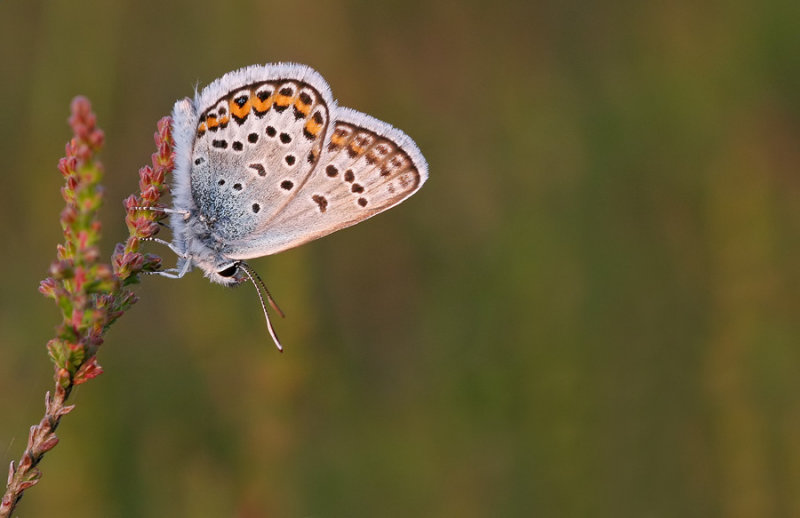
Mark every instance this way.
x=211 y=122
x=313 y=127
x=262 y=106
x=339 y=139
x=241 y=111
x=355 y=148
x=283 y=100
x=303 y=108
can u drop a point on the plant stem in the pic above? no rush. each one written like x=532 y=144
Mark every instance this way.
x=90 y=294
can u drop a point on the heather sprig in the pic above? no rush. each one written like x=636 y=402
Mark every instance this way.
x=90 y=294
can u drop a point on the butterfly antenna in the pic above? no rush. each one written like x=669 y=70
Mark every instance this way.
x=263 y=287
x=259 y=285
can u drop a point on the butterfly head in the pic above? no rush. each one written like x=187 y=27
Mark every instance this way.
x=227 y=274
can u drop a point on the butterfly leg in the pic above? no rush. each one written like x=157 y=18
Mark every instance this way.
x=165 y=243
x=173 y=273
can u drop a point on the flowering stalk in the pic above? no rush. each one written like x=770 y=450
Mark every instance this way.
x=91 y=295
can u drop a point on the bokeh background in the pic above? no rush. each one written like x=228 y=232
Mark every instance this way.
x=591 y=309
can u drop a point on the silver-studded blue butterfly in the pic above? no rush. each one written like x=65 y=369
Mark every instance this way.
x=266 y=161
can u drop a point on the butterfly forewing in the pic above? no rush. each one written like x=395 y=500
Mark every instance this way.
x=254 y=149
x=366 y=167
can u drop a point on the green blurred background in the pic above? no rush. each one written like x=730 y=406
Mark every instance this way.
x=591 y=309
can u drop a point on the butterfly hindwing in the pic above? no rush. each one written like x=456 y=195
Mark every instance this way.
x=365 y=167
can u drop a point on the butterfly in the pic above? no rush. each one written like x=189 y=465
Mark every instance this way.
x=265 y=160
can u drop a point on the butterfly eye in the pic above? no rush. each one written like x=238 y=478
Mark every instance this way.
x=229 y=271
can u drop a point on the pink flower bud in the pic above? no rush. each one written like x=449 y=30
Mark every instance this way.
x=71 y=151
x=48 y=444
x=67 y=166
x=22 y=486
x=130 y=202
x=145 y=177
x=48 y=287
x=90 y=369
x=158 y=175
x=133 y=261
x=151 y=194
x=97 y=138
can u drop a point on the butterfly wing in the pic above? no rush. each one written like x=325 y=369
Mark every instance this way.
x=260 y=132
x=366 y=166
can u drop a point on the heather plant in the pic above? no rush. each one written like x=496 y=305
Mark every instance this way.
x=91 y=294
